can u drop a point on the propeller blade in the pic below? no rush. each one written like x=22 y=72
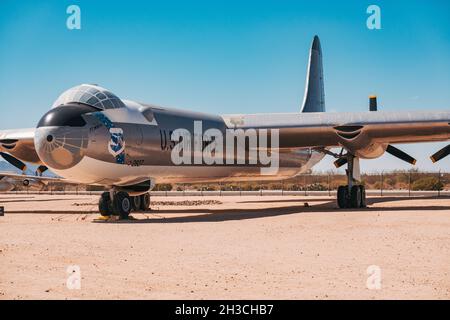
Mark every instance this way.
x=340 y=162
x=40 y=170
x=14 y=161
x=445 y=151
x=373 y=103
x=400 y=154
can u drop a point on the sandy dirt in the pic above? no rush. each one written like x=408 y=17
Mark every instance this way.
x=233 y=247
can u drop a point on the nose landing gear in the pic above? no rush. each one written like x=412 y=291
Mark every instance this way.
x=121 y=204
x=353 y=195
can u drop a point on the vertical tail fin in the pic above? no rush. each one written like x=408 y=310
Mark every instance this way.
x=314 y=99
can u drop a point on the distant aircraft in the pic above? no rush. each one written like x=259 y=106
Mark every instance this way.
x=92 y=137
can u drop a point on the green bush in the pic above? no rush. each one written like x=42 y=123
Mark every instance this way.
x=428 y=183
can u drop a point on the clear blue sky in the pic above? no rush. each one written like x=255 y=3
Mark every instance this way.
x=228 y=56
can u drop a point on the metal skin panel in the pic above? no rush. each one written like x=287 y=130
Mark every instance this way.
x=147 y=152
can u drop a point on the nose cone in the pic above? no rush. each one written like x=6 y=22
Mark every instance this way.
x=61 y=137
x=60 y=147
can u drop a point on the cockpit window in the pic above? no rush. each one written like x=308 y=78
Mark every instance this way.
x=148 y=114
x=92 y=95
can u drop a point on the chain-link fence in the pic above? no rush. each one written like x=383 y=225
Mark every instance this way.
x=402 y=182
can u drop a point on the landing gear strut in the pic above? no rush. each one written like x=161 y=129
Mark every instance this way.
x=353 y=195
x=121 y=203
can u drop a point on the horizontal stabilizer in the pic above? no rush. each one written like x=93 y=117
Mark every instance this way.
x=400 y=154
x=40 y=170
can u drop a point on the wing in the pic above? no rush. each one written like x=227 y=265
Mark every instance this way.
x=365 y=134
x=20 y=144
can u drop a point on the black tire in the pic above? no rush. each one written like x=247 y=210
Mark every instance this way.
x=363 y=196
x=355 y=197
x=136 y=203
x=145 y=202
x=104 y=204
x=342 y=197
x=122 y=204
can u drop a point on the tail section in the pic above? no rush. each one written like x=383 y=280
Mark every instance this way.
x=314 y=100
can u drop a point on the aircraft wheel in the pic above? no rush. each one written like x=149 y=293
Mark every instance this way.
x=122 y=204
x=104 y=204
x=363 y=196
x=355 y=197
x=145 y=201
x=342 y=195
x=136 y=203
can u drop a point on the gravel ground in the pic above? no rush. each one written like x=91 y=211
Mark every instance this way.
x=247 y=247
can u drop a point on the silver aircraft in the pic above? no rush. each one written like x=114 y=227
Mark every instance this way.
x=92 y=137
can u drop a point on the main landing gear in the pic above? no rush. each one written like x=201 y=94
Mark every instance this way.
x=121 y=203
x=353 y=195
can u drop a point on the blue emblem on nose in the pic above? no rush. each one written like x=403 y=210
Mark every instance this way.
x=116 y=145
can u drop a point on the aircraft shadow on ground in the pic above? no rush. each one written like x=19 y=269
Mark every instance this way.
x=219 y=215
x=40 y=200
x=286 y=200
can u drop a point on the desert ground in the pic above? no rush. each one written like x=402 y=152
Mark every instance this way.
x=229 y=247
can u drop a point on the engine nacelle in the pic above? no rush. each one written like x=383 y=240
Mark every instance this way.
x=371 y=151
x=358 y=142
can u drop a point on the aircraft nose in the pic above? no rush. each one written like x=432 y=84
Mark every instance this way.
x=61 y=137
x=60 y=147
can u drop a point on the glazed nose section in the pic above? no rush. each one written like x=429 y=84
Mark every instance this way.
x=61 y=137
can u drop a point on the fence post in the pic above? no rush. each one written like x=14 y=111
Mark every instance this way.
x=439 y=184
x=381 y=186
x=409 y=184
x=304 y=185
x=329 y=187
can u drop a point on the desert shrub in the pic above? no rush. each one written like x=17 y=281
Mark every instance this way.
x=377 y=185
x=95 y=188
x=162 y=187
x=427 y=183
x=316 y=187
